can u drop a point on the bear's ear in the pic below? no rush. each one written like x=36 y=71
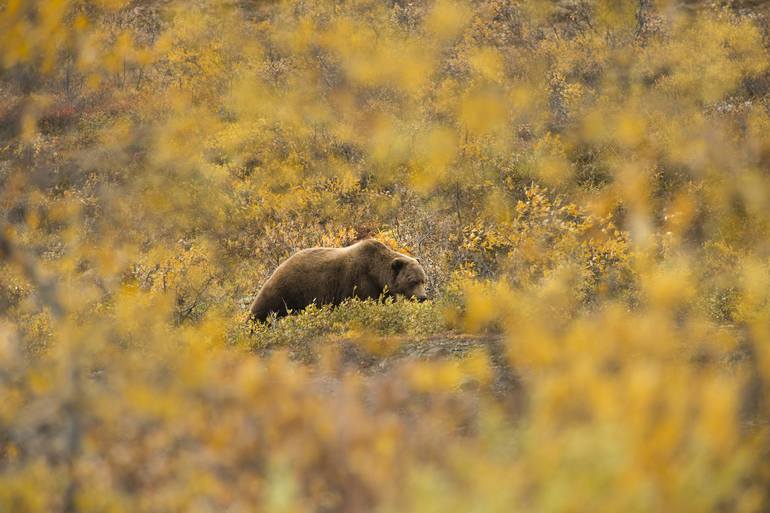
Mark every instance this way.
x=398 y=264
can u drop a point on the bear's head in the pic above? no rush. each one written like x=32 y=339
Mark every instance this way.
x=408 y=278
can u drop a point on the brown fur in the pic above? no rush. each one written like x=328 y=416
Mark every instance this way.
x=331 y=275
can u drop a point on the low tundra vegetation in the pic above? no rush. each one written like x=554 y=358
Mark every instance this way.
x=585 y=182
x=353 y=318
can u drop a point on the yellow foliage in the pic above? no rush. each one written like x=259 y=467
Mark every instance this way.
x=585 y=183
x=480 y=111
x=447 y=18
x=487 y=63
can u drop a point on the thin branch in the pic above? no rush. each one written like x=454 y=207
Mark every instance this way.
x=47 y=290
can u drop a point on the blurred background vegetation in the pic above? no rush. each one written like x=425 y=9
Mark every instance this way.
x=587 y=183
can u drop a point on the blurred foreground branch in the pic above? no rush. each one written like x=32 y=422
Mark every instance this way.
x=46 y=287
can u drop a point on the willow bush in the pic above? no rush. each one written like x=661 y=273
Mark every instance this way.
x=586 y=183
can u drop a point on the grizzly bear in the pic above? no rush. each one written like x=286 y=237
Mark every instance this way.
x=366 y=269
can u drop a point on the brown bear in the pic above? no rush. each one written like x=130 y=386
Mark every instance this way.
x=366 y=269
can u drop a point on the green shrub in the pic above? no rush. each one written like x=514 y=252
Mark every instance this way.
x=353 y=317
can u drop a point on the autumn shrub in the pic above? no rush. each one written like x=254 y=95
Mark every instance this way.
x=544 y=235
x=586 y=183
x=354 y=317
